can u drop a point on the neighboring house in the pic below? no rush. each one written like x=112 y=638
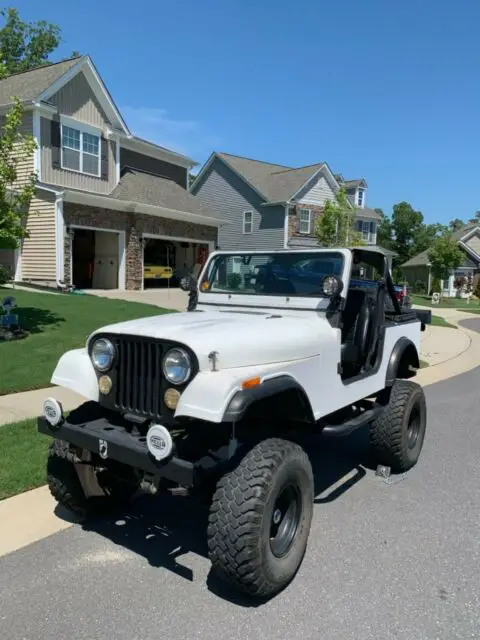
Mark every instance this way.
x=419 y=269
x=271 y=206
x=102 y=193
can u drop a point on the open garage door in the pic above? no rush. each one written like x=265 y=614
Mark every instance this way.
x=166 y=261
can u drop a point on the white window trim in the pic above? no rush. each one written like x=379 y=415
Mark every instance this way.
x=306 y=233
x=245 y=222
x=83 y=128
x=362 y=204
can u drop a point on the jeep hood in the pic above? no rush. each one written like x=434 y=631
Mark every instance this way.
x=239 y=338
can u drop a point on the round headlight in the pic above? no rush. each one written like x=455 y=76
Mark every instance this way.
x=103 y=353
x=177 y=366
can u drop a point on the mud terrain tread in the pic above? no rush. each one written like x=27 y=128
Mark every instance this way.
x=63 y=480
x=236 y=514
x=387 y=431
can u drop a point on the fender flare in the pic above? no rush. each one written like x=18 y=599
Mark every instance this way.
x=396 y=356
x=242 y=400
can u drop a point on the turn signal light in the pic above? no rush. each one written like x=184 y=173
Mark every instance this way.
x=251 y=382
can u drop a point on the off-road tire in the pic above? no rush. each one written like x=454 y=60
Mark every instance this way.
x=389 y=433
x=241 y=515
x=66 y=488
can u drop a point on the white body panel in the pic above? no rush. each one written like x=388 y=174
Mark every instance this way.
x=252 y=336
x=301 y=344
x=75 y=371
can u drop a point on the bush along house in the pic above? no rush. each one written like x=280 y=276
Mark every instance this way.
x=270 y=206
x=110 y=209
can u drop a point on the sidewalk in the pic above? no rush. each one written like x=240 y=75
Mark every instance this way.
x=28 y=404
x=450 y=352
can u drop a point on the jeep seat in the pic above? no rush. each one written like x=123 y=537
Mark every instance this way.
x=357 y=317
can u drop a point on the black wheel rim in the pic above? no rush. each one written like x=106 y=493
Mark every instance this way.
x=285 y=519
x=414 y=426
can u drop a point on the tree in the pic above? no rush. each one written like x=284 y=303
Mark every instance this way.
x=444 y=255
x=426 y=236
x=14 y=198
x=456 y=224
x=476 y=217
x=336 y=226
x=25 y=45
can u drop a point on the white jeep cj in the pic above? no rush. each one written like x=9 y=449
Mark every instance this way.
x=214 y=398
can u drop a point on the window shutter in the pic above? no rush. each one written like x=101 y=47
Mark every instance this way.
x=104 y=159
x=55 y=142
x=297 y=219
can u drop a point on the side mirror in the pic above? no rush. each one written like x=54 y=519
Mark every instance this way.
x=188 y=283
x=332 y=286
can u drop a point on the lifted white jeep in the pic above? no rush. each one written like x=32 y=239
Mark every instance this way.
x=214 y=398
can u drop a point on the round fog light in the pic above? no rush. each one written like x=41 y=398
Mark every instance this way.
x=159 y=442
x=171 y=398
x=105 y=385
x=53 y=412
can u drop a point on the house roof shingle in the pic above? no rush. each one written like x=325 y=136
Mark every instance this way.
x=368 y=213
x=275 y=182
x=146 y=188
x=28 y=85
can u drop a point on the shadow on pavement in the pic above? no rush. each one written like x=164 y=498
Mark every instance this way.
x=162 y=528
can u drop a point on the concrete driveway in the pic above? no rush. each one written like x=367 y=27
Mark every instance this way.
x=167 y=298
x=394 y=560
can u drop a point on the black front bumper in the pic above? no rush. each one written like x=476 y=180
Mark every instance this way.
x=122 y=446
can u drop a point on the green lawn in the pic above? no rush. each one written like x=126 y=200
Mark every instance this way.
x=23 y=457
x=447 y=303
x=438 y=321
x=55 y=324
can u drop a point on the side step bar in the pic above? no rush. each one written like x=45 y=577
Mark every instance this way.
x=346 y=428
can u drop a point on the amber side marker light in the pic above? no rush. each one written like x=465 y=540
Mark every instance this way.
x=251 y=382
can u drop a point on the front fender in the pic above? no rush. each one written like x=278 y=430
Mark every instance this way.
x=75 y=371
x=217 y=396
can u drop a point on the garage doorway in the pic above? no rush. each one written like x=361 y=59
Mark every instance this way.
x=95 y=259
x=167 y=260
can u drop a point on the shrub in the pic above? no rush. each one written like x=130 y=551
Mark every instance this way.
x=420 y=287
x=5 y=275
x=436 y=288
x=234 y=280
x=476 y=286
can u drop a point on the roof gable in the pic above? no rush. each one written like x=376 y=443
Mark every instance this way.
x=105 y=100
x=274 y=183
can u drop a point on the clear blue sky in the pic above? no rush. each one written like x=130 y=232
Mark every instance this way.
x=384 y=89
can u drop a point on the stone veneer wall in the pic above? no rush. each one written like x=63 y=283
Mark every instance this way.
x=134 y=225
x=294 y=220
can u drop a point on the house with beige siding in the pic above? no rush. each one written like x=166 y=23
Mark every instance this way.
x=104 y=197
x=418 y=269
x=271 y=206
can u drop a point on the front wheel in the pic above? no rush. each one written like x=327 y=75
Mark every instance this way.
x=397 y=435
x=260 y=518
x=118 y=485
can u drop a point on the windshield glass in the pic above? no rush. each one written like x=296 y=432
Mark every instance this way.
x=288 y=273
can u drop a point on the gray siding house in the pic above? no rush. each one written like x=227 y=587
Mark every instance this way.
x=270 y=206
x=105 y=198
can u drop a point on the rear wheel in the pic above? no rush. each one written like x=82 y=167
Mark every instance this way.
x=260 y=518
x=65 y=486
x=397 y=435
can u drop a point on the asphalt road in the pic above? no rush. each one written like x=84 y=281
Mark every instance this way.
x=396 y=560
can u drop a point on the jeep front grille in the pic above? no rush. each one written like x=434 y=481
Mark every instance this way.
x=139 y=379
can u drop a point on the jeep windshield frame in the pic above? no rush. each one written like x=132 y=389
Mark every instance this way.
x=282 y=278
